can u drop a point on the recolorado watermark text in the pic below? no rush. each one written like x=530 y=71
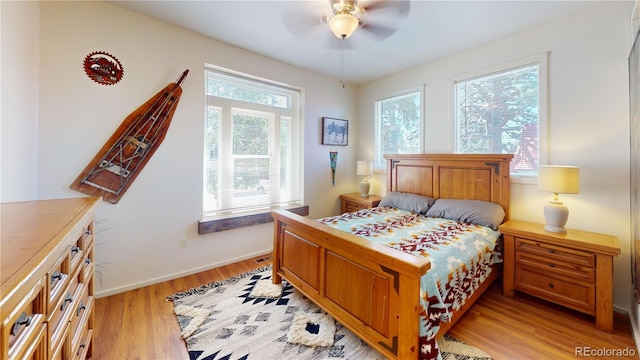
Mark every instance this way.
x=587 y=351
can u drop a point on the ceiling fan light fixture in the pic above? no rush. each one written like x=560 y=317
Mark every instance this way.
x=343 y=25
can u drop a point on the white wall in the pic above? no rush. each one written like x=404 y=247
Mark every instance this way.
x=588 y=117
x=19 y=102
x=138 y=238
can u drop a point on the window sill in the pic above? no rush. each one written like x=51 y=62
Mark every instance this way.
x=229 y=222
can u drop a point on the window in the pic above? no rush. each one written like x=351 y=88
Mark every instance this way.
x=398 y=126
x=500 y=112
x=252 y=147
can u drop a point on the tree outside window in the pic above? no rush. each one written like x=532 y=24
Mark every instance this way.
x=499 y=113
x=398 y=126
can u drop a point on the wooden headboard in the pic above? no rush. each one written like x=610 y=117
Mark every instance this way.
x=452 y=176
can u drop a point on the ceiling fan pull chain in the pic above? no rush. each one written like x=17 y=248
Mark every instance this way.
x=342 y=60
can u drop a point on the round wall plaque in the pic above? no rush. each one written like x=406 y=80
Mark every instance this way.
x=103 y=68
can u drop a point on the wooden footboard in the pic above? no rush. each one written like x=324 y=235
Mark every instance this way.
x=371 y=289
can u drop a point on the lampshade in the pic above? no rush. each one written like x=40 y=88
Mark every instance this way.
x=559 y=179
x=343 y=25
x=364 y=167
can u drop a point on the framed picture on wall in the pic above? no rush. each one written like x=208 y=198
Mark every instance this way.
x=335 y=131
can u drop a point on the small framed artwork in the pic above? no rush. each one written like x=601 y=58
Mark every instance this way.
x=335 y=131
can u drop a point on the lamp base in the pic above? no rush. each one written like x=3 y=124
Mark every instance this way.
x=556 y=215
x=364 y=189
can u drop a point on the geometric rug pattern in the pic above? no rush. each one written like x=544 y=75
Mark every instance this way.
x=248 y=317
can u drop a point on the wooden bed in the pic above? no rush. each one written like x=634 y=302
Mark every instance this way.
x=370 y=288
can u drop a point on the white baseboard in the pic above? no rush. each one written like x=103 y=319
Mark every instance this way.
x=109 y=292
x=634 y=326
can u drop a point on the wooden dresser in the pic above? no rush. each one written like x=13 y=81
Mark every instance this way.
x=573 y=269
x=47 y=271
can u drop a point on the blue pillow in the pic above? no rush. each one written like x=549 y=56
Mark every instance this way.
x=407 y=201
x=476 y=212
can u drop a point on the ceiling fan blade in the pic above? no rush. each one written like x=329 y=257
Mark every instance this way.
x=400 y=7
x=301 y=25
x=379 y=31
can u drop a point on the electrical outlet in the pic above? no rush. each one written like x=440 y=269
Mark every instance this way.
x=183 y=243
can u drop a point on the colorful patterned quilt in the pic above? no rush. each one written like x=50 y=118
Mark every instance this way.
x=461 y=256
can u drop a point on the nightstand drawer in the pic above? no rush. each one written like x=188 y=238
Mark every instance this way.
x=554 y=266
x=351 y=206
x=354 y=202
x=579 y=296
x=557 y=254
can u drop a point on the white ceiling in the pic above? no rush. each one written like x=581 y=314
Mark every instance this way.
x=431 y=30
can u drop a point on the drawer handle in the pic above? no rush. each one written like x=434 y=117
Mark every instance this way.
x=75 y=249
x=551 y=285
x=66 y=301
x=80 y=308
x=551 y=251
x=87 y=261
x=23 y=320
x=80 y=347
x=87 y=232
x=56 y=276
x=552 y=265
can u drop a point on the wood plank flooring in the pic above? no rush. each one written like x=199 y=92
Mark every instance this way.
x=140 y=324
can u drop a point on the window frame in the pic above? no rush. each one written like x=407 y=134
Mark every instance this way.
x=381 y=168
x=540 y=59
x=220 y=219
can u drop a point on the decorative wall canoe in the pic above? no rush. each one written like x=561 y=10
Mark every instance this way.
x=124 y=155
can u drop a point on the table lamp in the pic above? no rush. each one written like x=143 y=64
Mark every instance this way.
x=558 y=180
x=364 y=168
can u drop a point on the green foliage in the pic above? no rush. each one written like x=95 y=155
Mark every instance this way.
x=400 y=124
x=493 y=111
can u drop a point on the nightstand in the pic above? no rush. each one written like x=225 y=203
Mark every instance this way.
x=353 y=202
x=573 y=269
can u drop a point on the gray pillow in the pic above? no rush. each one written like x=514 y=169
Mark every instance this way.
x=407 y=201
x=476 y=212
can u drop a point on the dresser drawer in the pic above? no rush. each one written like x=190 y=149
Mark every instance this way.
x=61 y=313
x=576 y=295
x=556 y=253
x=83 y=350
x=62 y=348
x=34 y=350
x=80 y=315
x=20 y=331
x=88 y=268
x=87 y=235
x=57 y=280
x=81 y=341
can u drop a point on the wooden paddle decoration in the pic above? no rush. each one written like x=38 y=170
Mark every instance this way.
x=120 y=160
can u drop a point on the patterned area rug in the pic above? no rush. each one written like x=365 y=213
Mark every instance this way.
x=248 y=317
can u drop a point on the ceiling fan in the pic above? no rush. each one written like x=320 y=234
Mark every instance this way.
x=348 y=15
x=376 y=18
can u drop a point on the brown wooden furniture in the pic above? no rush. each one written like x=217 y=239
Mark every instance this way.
x=354 y=202
x=370 y=288
x=46 y=307
x=573 y=269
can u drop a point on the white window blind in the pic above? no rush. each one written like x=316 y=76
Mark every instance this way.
x=252 y=144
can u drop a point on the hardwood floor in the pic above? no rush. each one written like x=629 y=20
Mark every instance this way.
x=140 y=324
